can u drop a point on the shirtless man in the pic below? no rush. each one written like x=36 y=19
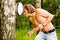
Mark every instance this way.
x=41 y=19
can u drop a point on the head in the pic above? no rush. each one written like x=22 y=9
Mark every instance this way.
x=28 y=9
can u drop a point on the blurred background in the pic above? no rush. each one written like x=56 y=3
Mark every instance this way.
x=14 y=26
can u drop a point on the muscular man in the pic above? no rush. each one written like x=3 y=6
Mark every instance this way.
x=41 y=19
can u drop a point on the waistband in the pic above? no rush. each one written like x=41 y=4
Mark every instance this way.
x=50 y=31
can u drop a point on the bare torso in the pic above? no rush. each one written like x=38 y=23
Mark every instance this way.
x=42 y=19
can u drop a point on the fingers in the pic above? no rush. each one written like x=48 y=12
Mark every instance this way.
x=29 y=33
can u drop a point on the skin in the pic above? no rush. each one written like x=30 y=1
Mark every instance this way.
x=40 y=19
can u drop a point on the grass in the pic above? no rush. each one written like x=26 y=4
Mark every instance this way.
x=21 y=35
x=58 y=34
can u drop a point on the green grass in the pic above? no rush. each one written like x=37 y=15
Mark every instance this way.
x=21 y=35
x=58 y=34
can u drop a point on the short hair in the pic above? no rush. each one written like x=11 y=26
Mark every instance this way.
x=29 y=8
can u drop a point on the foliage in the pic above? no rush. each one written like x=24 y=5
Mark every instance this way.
x=27 y=2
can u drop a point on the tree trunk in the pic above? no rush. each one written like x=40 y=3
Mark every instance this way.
x=38 y=3
x=0 y=22
x=8 y=20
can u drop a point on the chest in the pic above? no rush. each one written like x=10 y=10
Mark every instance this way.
x=33 y=20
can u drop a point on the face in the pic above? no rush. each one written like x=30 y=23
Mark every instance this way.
x=25 y=12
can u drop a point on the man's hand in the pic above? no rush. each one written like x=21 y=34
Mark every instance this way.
x=33 y=30
x=29 y=33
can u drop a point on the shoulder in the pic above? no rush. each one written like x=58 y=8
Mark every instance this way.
x=43 y=12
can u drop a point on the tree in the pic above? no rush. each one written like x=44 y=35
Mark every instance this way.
x=38 y=3
x=8 y=20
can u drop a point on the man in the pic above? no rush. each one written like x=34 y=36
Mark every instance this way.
x=41 y=19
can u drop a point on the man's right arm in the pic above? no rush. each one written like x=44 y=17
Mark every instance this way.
x=35 y=29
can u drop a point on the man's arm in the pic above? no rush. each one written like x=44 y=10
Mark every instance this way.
x=49 y=18
x=36 y=28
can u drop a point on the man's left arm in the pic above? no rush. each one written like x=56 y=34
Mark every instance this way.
x=49 y=18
